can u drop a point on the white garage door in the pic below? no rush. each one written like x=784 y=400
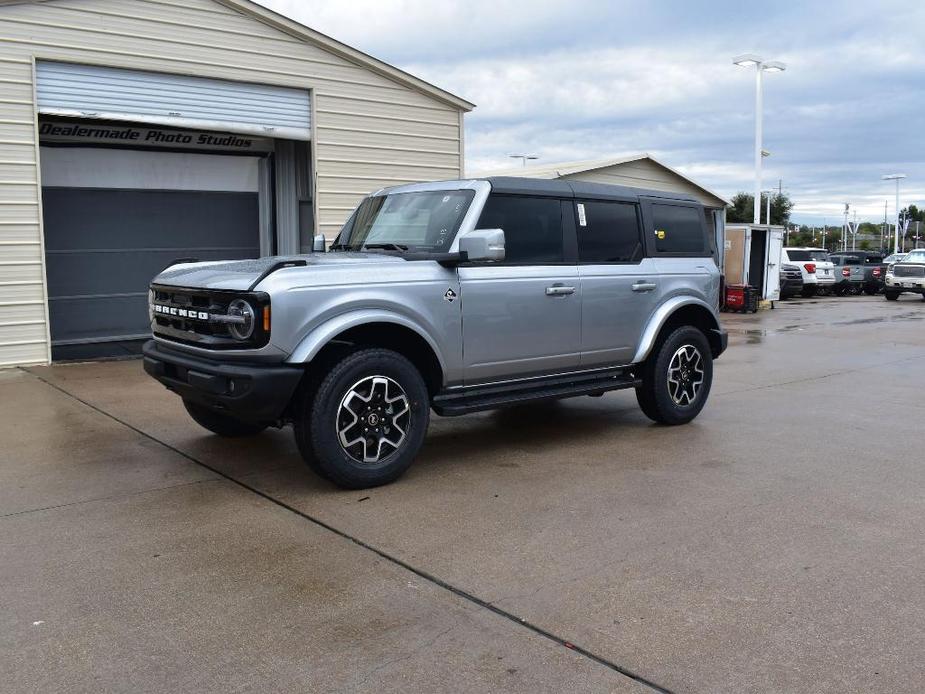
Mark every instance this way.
x=86 y=91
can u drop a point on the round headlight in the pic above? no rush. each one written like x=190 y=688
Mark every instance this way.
x=244 y=328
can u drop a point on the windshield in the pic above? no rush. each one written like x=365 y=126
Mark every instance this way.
x=423 y=221
x=915 y=256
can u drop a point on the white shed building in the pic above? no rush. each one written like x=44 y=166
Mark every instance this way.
x=135 y=132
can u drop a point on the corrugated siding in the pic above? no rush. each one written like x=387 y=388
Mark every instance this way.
x=69 y=89
x=645 y=173
x=370 y=132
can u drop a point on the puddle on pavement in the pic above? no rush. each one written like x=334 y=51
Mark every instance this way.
x=755 y=336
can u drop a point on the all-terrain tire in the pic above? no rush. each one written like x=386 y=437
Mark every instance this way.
x=657 y=396
x=367 y=419
x=221 y=424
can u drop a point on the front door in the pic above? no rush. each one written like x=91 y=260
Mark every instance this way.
x=521 y=317
x=619 y=286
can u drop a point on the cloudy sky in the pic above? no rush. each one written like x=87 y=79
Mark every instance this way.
x=590 y=79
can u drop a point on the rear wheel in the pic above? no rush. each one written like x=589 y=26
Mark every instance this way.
x=677 y=377
x=367 y=420
x=891 y=296
x=221 y=424
x=809 y=290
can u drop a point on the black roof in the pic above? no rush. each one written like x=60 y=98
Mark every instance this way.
x=571 y=188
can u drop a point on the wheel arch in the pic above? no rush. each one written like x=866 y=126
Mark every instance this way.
x=374 y=329
x=676 y=312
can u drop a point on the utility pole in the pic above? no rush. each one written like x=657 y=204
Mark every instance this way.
x=824 y=222
x=854 y=235
x=844 y=230
x=884 y=229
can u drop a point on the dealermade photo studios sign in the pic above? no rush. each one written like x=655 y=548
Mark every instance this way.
x=143 y=136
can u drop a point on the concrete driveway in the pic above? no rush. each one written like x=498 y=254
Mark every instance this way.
x=775 y=544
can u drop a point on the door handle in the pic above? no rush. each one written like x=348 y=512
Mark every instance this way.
x=644 y=286
x=559 y=290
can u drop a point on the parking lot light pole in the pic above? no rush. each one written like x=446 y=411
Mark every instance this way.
x=761 y=66
x=897 y=178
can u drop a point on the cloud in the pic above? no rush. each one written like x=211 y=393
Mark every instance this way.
x=594 y=79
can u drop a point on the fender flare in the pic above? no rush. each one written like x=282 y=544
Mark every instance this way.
x=661 y=315
x=320 y=335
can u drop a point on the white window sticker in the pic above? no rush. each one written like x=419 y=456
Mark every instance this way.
x=582 y=220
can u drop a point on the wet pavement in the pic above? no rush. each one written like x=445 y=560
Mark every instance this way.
x=774 y=544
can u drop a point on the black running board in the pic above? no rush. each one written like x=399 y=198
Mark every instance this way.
x=489 y=397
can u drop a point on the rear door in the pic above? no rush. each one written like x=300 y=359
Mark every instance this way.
x=522 y=316
x=618 y=283
x=772 y=276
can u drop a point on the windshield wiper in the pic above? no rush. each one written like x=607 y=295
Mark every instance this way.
x=385 y=247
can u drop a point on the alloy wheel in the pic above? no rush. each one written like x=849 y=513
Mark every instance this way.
x=372 y=419
x=685 y=375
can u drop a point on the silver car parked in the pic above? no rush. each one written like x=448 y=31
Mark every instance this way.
x=449 y=297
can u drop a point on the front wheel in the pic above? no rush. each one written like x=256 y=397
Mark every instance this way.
x=221 y=424
x=367 y=421
x=677 y=377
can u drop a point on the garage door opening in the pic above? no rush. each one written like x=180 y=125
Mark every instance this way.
x=115 y=216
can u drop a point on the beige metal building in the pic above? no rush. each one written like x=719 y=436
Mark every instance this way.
x=637 y=171
x=135 y=132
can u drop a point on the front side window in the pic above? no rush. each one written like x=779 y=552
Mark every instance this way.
x=678 y=229
x=417 y=221
x=532 y=227
x=608 y=232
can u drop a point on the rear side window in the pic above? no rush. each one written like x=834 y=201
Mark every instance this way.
x=678 y=229
x=608 y=232
x=532 y=227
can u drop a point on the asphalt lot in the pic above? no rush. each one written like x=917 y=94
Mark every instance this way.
x=775 y=544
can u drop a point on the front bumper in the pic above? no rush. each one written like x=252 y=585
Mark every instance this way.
x=908 y=284
x=250 y=392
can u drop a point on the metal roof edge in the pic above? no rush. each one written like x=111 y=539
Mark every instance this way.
x=301 y=31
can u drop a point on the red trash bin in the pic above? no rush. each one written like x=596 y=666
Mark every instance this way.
x=736 y=297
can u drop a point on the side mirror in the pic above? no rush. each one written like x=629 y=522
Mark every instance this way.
x=483 y=244
x=318 y=244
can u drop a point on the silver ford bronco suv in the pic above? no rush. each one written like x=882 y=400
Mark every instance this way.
x=456 y=296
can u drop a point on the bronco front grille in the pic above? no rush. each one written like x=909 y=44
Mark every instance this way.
x=909 y=271
x=194 y=316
